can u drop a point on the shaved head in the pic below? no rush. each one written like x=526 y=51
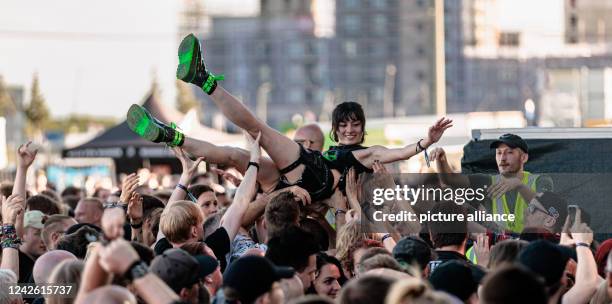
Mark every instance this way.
x=310 y=136
x=46 y=263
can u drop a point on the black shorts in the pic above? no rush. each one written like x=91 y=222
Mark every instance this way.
x=317 y=177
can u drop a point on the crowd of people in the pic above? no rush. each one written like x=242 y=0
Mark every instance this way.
x=293 y=231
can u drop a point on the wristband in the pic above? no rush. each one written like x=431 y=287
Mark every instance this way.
x=136 y=226
x=338 y=211
x=191 y=197
x=254 y=164
x=386 y=236
x=579 y=244
x=425 y=152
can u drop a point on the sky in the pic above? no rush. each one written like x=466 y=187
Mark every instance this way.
x=99 y=56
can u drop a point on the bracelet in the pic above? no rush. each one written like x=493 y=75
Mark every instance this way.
x=338 y=211
x=423 y=149
x=254 y=164
x=191 y=196
x=136 y=226
x=579 y=244
x=386 y=236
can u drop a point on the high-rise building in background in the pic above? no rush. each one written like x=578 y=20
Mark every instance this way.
x=588 y=21
x=304 y=56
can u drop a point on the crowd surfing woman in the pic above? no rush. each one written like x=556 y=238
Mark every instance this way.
x=290 y=163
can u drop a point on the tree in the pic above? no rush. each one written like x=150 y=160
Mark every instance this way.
x=7 y=107
x=185 y=99
x=37 y=111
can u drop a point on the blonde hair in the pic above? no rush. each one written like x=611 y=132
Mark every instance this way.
x=176 y=221
x=348 y=235
x=65 y=273
x=415 y=291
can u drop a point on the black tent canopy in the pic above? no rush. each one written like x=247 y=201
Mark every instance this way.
x=128 y=150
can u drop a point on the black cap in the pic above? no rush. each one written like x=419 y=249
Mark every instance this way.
x=454 y=277
x=412 y=249
x=545 y=259
x=252 y=276
x=513 y=141
x=180 y=270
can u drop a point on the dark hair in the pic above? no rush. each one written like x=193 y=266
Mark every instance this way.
x=145 y=253
x=44 y=204
x=71 y=201
x=293 y=247
x=367 y=289
x=325 y=259
x=153 y=216
x=512 y=284
x=282 y=211
x=6 y=189
x=198 y=189
x=77 y=242
x=150 y=202
x=448 y=233
x=320 y=234
x=71 y=190
x=347 y=111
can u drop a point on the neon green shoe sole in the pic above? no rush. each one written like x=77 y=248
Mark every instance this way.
x=142 y=123
x=189 y=56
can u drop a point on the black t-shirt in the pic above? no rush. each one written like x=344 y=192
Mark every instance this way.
x=218 y=242
x=342 y=159
x=26 y=265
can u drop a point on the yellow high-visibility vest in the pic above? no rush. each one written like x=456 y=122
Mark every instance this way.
x=520 y=204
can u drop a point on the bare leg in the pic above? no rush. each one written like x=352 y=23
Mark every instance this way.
x=267 y=176
x=281 y=149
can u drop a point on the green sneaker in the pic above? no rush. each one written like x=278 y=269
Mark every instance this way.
x=191 y=67
x=148 y=127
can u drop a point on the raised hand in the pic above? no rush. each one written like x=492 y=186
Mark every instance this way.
x=353 y=185
x=26 y=154
x=437 y=130
x=129 y=185
x=112 y=223
x=253 y=146
x=11 y=208
x=117 y=257
x=504 y=185
x=299 y=193
x=437 y=154
x=227 y=176
x=379 y=168
x=135 y=210
x=190 y=167
x=482 y=249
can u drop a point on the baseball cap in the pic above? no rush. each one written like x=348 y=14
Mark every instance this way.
x=454 y=277
x=412 y=249
x=239 y=276
x=513 y=141
x=545 y=259
x=33 y=219
x=76 y=227
x=180 y=270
